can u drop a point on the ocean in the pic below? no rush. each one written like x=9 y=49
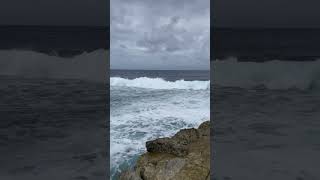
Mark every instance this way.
x=52 y=125
x=53 y=103
x=266 y=109
x=265 y=44
x=62 y=41
x=148 y=104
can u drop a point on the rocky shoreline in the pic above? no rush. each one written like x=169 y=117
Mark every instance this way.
x=185 y=156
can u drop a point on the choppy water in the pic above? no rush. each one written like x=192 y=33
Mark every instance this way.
x=266 y=120
x=53 y=115
x=145 y=105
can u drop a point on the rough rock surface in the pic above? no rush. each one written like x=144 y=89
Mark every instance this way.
x=185 y=156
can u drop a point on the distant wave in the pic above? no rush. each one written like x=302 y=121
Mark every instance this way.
x=274 y=74
x=87 y=66
x=159 y=83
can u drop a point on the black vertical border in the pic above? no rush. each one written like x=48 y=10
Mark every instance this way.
x=108 y=94
x=211 y=56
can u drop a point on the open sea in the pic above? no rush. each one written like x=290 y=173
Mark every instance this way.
x=53 y=103
x=52 y=125
x=146 y=105
x=266 y=105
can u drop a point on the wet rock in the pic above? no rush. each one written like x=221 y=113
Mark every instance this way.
x=166 y=145
x=129 y=175
x=185 y=156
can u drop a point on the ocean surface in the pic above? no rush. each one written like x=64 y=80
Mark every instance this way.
x=53 y=115
x=146 y=105
x=265 y=98
x=62 y=41
x=266 y=119
x=265 y=44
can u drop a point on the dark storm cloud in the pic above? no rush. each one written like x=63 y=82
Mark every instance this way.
x=265 y=13
x=54 y=12
x=168 y=34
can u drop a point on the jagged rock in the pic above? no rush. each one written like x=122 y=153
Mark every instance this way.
x=129 y=175
x=166 y=145
x=185 y=156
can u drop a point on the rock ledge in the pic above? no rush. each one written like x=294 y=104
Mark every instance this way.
x=185 y=156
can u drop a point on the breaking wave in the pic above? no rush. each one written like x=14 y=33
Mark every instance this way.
x=91 y=66
x=274 y=74
x=159 y=83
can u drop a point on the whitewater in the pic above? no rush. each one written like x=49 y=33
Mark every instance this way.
x=273 y=74
x=146 y=108
x=91 y=66
x=159 y=83
x=266 y=119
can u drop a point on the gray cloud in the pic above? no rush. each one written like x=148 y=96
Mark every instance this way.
x=168 y=34
x=164 y=38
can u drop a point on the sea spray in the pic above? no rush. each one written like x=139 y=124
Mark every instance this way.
x=87 y=66
x=273 y=74
x=146 y=108
x=159 y=83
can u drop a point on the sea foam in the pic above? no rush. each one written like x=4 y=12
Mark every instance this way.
x=141 y=114
x=91 y=66
x=159 y=83
x=273 y=74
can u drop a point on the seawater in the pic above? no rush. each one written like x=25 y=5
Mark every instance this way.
x=266 y=119
x=146 y=105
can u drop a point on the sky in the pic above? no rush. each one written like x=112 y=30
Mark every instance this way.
x=55 y=12
x=226 y=13
x=266 y=13
x=154 y=34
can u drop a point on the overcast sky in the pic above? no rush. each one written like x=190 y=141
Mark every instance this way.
x=266 y=13
x=154 y=34
x=54 y=12
x=234 y=13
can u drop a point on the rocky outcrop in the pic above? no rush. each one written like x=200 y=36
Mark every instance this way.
x=185 y=156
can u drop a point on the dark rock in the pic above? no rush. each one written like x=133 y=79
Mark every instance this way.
x=166 y=145
x=185 y=156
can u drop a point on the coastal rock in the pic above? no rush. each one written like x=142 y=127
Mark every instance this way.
x=185 y=156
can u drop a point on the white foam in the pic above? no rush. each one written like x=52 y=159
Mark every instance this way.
x=87 y=66
x=155 y=114
x=159 y=83
x=271 y=74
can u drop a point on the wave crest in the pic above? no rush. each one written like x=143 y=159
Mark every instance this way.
x=159 y=83
x=86 y=66
x=271 y=74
